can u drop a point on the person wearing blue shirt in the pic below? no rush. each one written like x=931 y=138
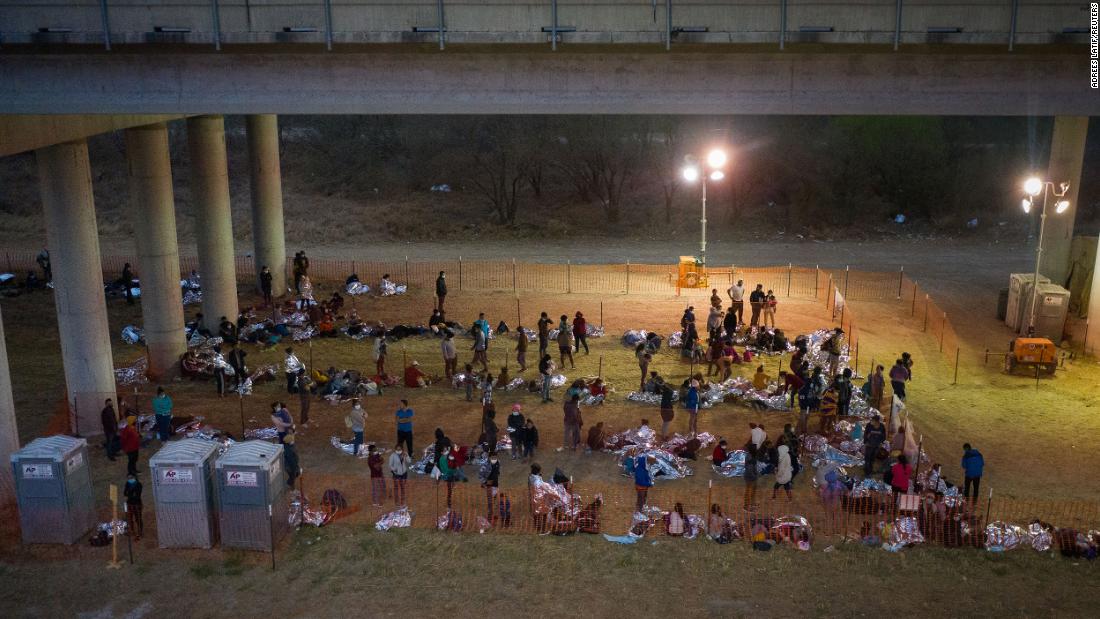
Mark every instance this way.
x=642 y=480
x=973 y=464
x=483 y=325
x=162 y=409
x=691 y=401
x=404 y=417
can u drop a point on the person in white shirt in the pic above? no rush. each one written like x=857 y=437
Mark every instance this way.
x=757 y=435
x=737 y=300
x=399 y=468
x=292 y=365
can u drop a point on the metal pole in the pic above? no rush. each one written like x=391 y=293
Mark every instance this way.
x=440 y=6
x=846 y=282
x=271 y=534
x=956 y=381
x=943 y=325
x=601 y=314
x=901 y=278
x=703 y=224
x=628 y=287
x=240 y=396
x=554 y=25
x=817 y=271
x=913 y=310
x=406 y=270
x=106 y=24
x=216 y=19
x=514 y=276
x=897 y=25
x=568 y=276
x=460 y=273
x=790 y=268
x=1038 y=260
x=782 y=24
x=1012 y=25
x=600 y=373
x=668 y=25
x=925 y=327
x=328 y=25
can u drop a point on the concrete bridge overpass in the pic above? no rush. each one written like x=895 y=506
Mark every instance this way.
x=76 y=69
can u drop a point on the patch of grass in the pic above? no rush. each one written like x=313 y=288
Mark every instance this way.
x=202 y=571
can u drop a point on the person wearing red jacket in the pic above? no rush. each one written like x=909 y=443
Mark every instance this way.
x=131 y=443
x=580 y=332
x=720 y=453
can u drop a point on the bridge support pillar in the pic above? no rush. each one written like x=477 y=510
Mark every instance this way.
x=69 y=208
x=214 y=222
x=9 y=431
x=267 y=200
x=1067 y=156
x=154 y=218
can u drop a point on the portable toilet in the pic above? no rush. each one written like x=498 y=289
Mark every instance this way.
x=1051 y=308
x=183 y=490
x=252 y=503
x=53 y=486
x=1019 y=299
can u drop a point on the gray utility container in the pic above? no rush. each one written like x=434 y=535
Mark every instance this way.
x=1019 y=299
x=1051 y=309
x=252 y=502
x=53 y=484
x=183 y=489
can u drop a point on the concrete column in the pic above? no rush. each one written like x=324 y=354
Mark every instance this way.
x=267 y=200
x=213 y=220
x=1092 y=338
x=1067 y=156
x=66 y=186
x=9 y=431
x=154 y=219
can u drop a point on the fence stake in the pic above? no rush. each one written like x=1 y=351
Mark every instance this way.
x=901 y=278
x=628 y=277
x=513 y=276
x=459 y=289
x=406 y=270
x=913 y=311
x=600 y=372
x=240 y=396
x=943 y=324
x=519 y=321
x=271 y=534
x=1036 y=376
x=988 y=504
x=925 y=327
x=601 y=314
x=568 y=276
x=790 y=269
x=956 y=381
x=845 y=281
x=817 y=271
x=1085 y=340
x=710 y=487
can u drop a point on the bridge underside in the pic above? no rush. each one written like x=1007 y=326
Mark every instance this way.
x=524 y=82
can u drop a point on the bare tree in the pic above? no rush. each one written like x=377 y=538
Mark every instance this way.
x=500 y=165
x=603 y=154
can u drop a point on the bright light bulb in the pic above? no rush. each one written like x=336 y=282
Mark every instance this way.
x=717 y=175
x=691 y=174
x=1033 y=186
x=716 y=158
x=1061 y=206
x=1026 y=204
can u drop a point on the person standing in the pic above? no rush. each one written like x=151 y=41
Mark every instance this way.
x=290 y=460
x=843 y=386
x=900 y=475
x=450 y=355
x=973 y=465
x=356 y=421
x=878 y=387
x=236 y=361
x=737 y=301
x=377 y=481
x=127 y=281
x=380 y=351
x=134 y=520
x=784 y=471
x=546 y=370
x=750 y=475
x=281 y=419
x=491 y=484
x=874 y=435
x=219 y=363
x=399 y=469
x=109 y=419
x=265 y=284
x=482 y=325
x=756 y=303
x=580 y=332
x=304 y=397
x=291 y=366
x=43 y=261
x=521 y=348
x=131 y=443
x=642 y=481
x=770 y=304
x=565 y=347
x=898 y=375
x=572 y=422
x=162 y=414
x=404 y=417
x=691 y=402
x=644 y=359
x=667 y=411
x=544 y=333
x=530 y=440
x=441 y=289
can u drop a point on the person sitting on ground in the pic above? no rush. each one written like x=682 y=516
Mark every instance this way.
x=677 y=521
x=503 y=378
x=760 y=379
x=597 y=437
x=415 y=377
x=336 y=301
x=654 y=384
x=326 y=327
x=437 y=324
x=900 y=474
x=720 y=453
x=352 y=279
x=387 y=287
x=597 y=388
x=355 y=324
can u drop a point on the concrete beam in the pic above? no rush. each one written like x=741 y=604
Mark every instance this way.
x=66 y=184
x=267 y=200
x=9 y=430
x=214 y=221
x=19 y=134
x=1067 y=157
x=153 y=211
x=839 y=83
